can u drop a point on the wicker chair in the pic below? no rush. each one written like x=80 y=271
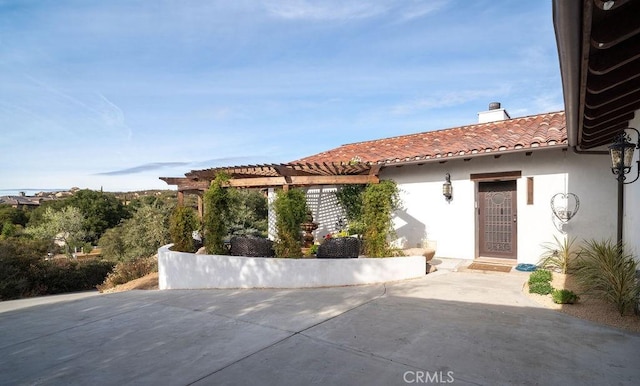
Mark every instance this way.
x=344 y=247
x=251 y=247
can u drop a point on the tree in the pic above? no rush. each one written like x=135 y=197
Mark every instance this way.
x=379 y=201
x=65 y=226
x=100 y=210
x=183 y=222
x=146 y=231
x=250 y=216
x=139 y=236
x=350 y=198
x=291 y=211
x=112 y=245
x=9 y=214
x=219 y=205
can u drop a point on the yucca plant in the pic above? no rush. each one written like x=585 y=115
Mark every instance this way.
x=605 y=270
x=560 y=255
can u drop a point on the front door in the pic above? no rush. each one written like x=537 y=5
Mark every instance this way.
x=497 y=219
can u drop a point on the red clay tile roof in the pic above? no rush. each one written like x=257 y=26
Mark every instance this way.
x=534 y=131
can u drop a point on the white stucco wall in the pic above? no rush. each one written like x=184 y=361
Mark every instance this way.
x=631 y=218
x=452 y=225
x=179 y=270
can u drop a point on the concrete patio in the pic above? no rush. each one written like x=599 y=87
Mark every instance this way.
x=460 y=327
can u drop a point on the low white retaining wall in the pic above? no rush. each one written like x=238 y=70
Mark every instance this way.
x=179 y=270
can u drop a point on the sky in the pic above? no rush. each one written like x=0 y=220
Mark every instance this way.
x=114 y=94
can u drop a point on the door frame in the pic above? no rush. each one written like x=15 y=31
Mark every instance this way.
x=494 y=177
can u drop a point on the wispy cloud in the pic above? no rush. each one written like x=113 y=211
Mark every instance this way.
x=112 y=115
x=210 y=163
x=143 y=168
x=326 y=10
x=337 y=10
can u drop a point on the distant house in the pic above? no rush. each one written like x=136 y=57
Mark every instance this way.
x=20 y=201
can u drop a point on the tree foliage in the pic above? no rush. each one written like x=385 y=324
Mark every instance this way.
x=184 y=221
x=379 y=201
x=11 y=215
x=251 y=213
x=112 y=245
x=291 y=211
x=139 y=236
x=219 y=206
x=101 y=211
x=350 y=198
x=65 y=226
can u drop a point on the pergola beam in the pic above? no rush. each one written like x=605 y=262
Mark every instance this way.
x=302 y=181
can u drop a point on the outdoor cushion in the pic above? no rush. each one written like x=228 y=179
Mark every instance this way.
x=343 y=247
x=251 y=246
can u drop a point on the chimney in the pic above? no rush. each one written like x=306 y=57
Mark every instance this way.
x=495 y=113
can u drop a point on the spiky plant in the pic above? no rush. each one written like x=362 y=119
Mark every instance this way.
x=560 y=255
x=605 y=270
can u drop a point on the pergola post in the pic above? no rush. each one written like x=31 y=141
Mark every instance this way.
x=180 y=198
x=200 y=207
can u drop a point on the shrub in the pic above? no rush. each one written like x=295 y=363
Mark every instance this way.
x=219 y=206
x=540 y=276
x=250 y=216
x=564 y=296
x=540 y=287
x=606 y=271
x=379 y=202
x=291 y=211
x=182 y=224
x=24 y=272
x=350 y=198
x=19 y=261
x=64 y=275
x=129 y=270
x=559 y=256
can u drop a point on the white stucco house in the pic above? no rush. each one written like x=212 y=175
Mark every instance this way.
x=516 y=184
x=504 y=173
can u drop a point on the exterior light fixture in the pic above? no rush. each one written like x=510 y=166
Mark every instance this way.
x=447 y=190
x=622 y=152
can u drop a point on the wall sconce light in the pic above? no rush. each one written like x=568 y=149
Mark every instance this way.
x=447 y=189
x=622 y=152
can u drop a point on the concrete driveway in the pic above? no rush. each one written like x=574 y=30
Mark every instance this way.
x=449 y=327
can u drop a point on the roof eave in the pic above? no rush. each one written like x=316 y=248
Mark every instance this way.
x=416 y=161
x=567 y=22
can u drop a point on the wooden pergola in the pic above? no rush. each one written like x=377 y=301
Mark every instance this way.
x=276 y=175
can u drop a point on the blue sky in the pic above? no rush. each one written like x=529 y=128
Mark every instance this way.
x=115 y=94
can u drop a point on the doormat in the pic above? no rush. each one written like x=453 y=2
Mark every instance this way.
x=490 y=267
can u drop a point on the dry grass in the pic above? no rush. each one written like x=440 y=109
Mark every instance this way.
x=148 y=282
x=587 y=308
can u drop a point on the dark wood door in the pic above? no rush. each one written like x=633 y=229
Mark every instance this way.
x=497 y=219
